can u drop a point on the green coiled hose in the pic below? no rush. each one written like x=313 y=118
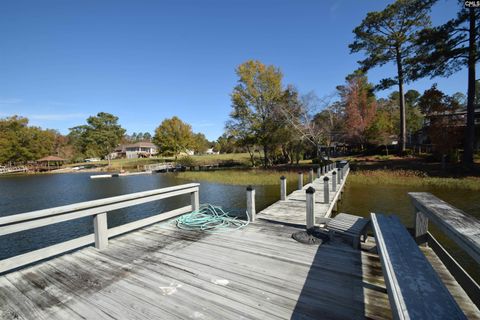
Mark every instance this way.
x=209 y=218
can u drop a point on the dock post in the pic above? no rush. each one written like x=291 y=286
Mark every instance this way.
x=195 y=200
x=334 y=181
x=319 y=172
x=326 y=193
x=420 y=227
x=100 y=228
x=252 y=214
x=310 y=195
x=310 y=176
x=300 y=180
x=283 y=188
x=339 y=176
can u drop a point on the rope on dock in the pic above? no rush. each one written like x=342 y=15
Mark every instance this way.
x=209 y=218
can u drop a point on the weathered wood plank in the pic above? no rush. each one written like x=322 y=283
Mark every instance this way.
x=414 y=288
x=458 y=226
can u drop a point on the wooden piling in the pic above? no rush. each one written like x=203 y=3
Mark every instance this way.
x=326 y=193
x=339 y=176
x=310 y=176
x=310 y=205
x=334 y=181
x=300 y=181
x=252 y=215
x=283 y=188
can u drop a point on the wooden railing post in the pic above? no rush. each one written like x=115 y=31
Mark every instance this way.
x=319 y=172
x=310 y=219
x=339 y=176
x=326 y=193
x=300 y=181
x=283 y=188
x=334 y=181
x=310 y=176
x=421 y=227
x=195 y=199
x=100 y=228
x=252 y=214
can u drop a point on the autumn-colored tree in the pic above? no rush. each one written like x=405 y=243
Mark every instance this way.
x=254 y=99
x=359 y=107
x=20 y=142
x=200 y=144
x=383 y=127
x=173 y=136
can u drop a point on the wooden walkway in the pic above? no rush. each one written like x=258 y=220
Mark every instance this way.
x=293 y=209
x=162 y=272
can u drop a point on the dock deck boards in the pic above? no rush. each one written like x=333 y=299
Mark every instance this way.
x=258 y=272
x=293 y=209
x=161 y=272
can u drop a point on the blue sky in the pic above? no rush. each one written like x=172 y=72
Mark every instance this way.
x=145 y=60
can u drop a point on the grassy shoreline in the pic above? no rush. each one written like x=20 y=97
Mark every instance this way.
x=412 y=178
x=240 y=177
x=365 y=177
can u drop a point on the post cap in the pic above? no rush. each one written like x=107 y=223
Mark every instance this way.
x=325 y=179
x=250 y=188
x=310 y=190
x=282 y=178
x=334 y=172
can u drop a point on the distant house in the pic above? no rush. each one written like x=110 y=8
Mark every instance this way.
x=210 y=151
x=135 y=150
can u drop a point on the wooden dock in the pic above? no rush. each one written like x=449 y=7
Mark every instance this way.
x=162 y=272
x=293 y=209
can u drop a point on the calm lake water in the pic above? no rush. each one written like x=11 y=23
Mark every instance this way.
x=26 y=193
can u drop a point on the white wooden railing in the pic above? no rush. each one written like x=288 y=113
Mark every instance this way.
x=458 y=226
x=97 y=209
x=13 y=169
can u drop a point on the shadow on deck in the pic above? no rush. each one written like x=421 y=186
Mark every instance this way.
x=160 y=272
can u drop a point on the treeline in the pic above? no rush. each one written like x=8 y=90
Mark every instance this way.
x=270 y=116
x=274 y=120
x=20 y=143
x=98 y=138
